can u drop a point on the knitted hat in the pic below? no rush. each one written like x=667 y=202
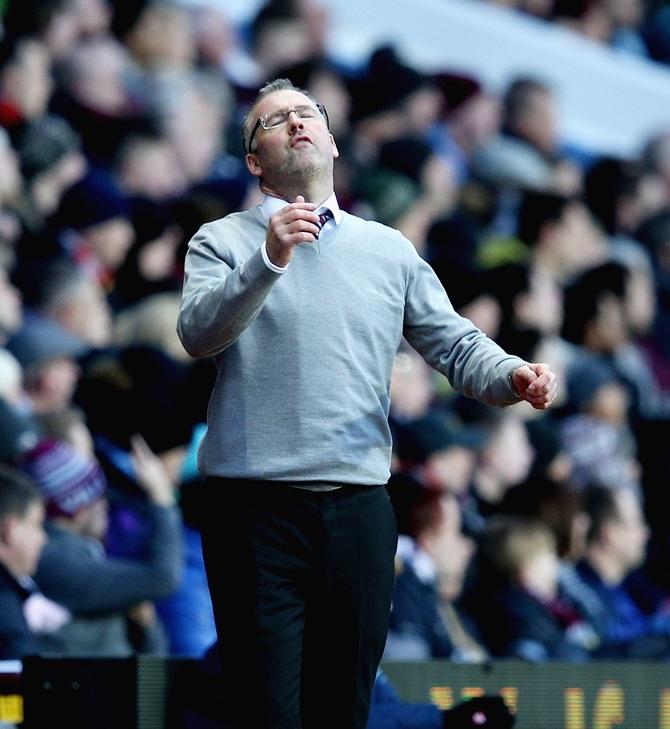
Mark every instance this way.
x=68 y=480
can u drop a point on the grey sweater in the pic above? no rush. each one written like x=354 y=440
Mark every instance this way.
x=304 y=358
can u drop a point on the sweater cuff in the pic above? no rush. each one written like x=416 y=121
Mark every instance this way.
x=268 y=262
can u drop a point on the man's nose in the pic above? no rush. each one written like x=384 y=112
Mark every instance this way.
x=294 y=121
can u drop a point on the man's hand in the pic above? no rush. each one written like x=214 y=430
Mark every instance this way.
x=485 y=712
x=536 y=384
x=151 y=474
x=296 y=223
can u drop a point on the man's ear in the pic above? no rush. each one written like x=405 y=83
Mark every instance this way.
x=253 y=164
x=336 y=151
x=7 y=530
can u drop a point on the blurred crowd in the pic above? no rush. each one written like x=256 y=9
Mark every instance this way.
x=638 y=27
x=522 y=534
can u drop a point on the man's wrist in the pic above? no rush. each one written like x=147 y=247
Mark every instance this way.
x=266 y=260
x=510 y=379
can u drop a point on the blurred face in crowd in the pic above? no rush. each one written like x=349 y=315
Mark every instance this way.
x=538 y=123
x=628 y=534
x=26 y=81
x=22 y=538
x=98 y=75
x=450 y=469
x=194 y=127
x=93 y=520
x=10 y=176
x=640 y=301
x=51 y=384
x=62 y=31
x=508 y=453
x=86 y=314
x=93 y=16
x=163 y=37
x=609 y=329
x=111 y=241
x=449 y=548
x=610 y=403
x=11 y=311
x=422 y=109
x=149 y=167
x=575 y=240
x=541 y=307
x=539 y=573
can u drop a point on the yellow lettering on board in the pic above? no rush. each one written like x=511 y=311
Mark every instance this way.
x=609 y=709
x=11 y=708
x=442 y=697
x=574 y=708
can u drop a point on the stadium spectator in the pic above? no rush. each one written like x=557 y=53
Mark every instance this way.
x=103 y=593
x=615 y=549
x=526 y=153
x=22 y=538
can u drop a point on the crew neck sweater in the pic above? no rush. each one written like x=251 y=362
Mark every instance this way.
x=304 y=357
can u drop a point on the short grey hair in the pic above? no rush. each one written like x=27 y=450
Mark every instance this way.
x=278 y=84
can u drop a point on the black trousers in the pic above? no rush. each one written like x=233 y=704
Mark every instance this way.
x=301 y=584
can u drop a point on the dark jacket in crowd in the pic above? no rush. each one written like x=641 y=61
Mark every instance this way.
x=76 y=572
x=16 y=639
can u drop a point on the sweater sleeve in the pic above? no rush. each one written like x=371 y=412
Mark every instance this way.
x=219 y=298
x=474 y=364
x=86 y=581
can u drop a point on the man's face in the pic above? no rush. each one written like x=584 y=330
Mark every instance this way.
x=298 y=147
x=23 y=539
x=630 y=531
x=11 y=311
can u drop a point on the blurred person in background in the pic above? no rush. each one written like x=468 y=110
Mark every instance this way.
x=55 y=23
x=159 y=34
x=51 y=163
x=470 y=118
x=515 y=598
x=560 y=234
x=636 y=614
x=94 y=228
x=11 y=309
x=95 y=94
x=25 y=81
x=526 y=154
x=11 y=185
x=49 y=359
x=596 y=430
x=102 y=592
x=146 y=165
x=22 y=539
x=432 y=559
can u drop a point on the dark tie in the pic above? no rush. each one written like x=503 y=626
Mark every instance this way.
x=325 y=216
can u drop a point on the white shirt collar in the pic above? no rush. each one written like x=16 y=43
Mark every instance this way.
x=272 y=205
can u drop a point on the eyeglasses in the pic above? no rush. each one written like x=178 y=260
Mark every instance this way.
x=274 y=119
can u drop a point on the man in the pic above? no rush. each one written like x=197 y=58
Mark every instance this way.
x=634 y=620
x=22 y=537
x=304 y=322
x=103 y=590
